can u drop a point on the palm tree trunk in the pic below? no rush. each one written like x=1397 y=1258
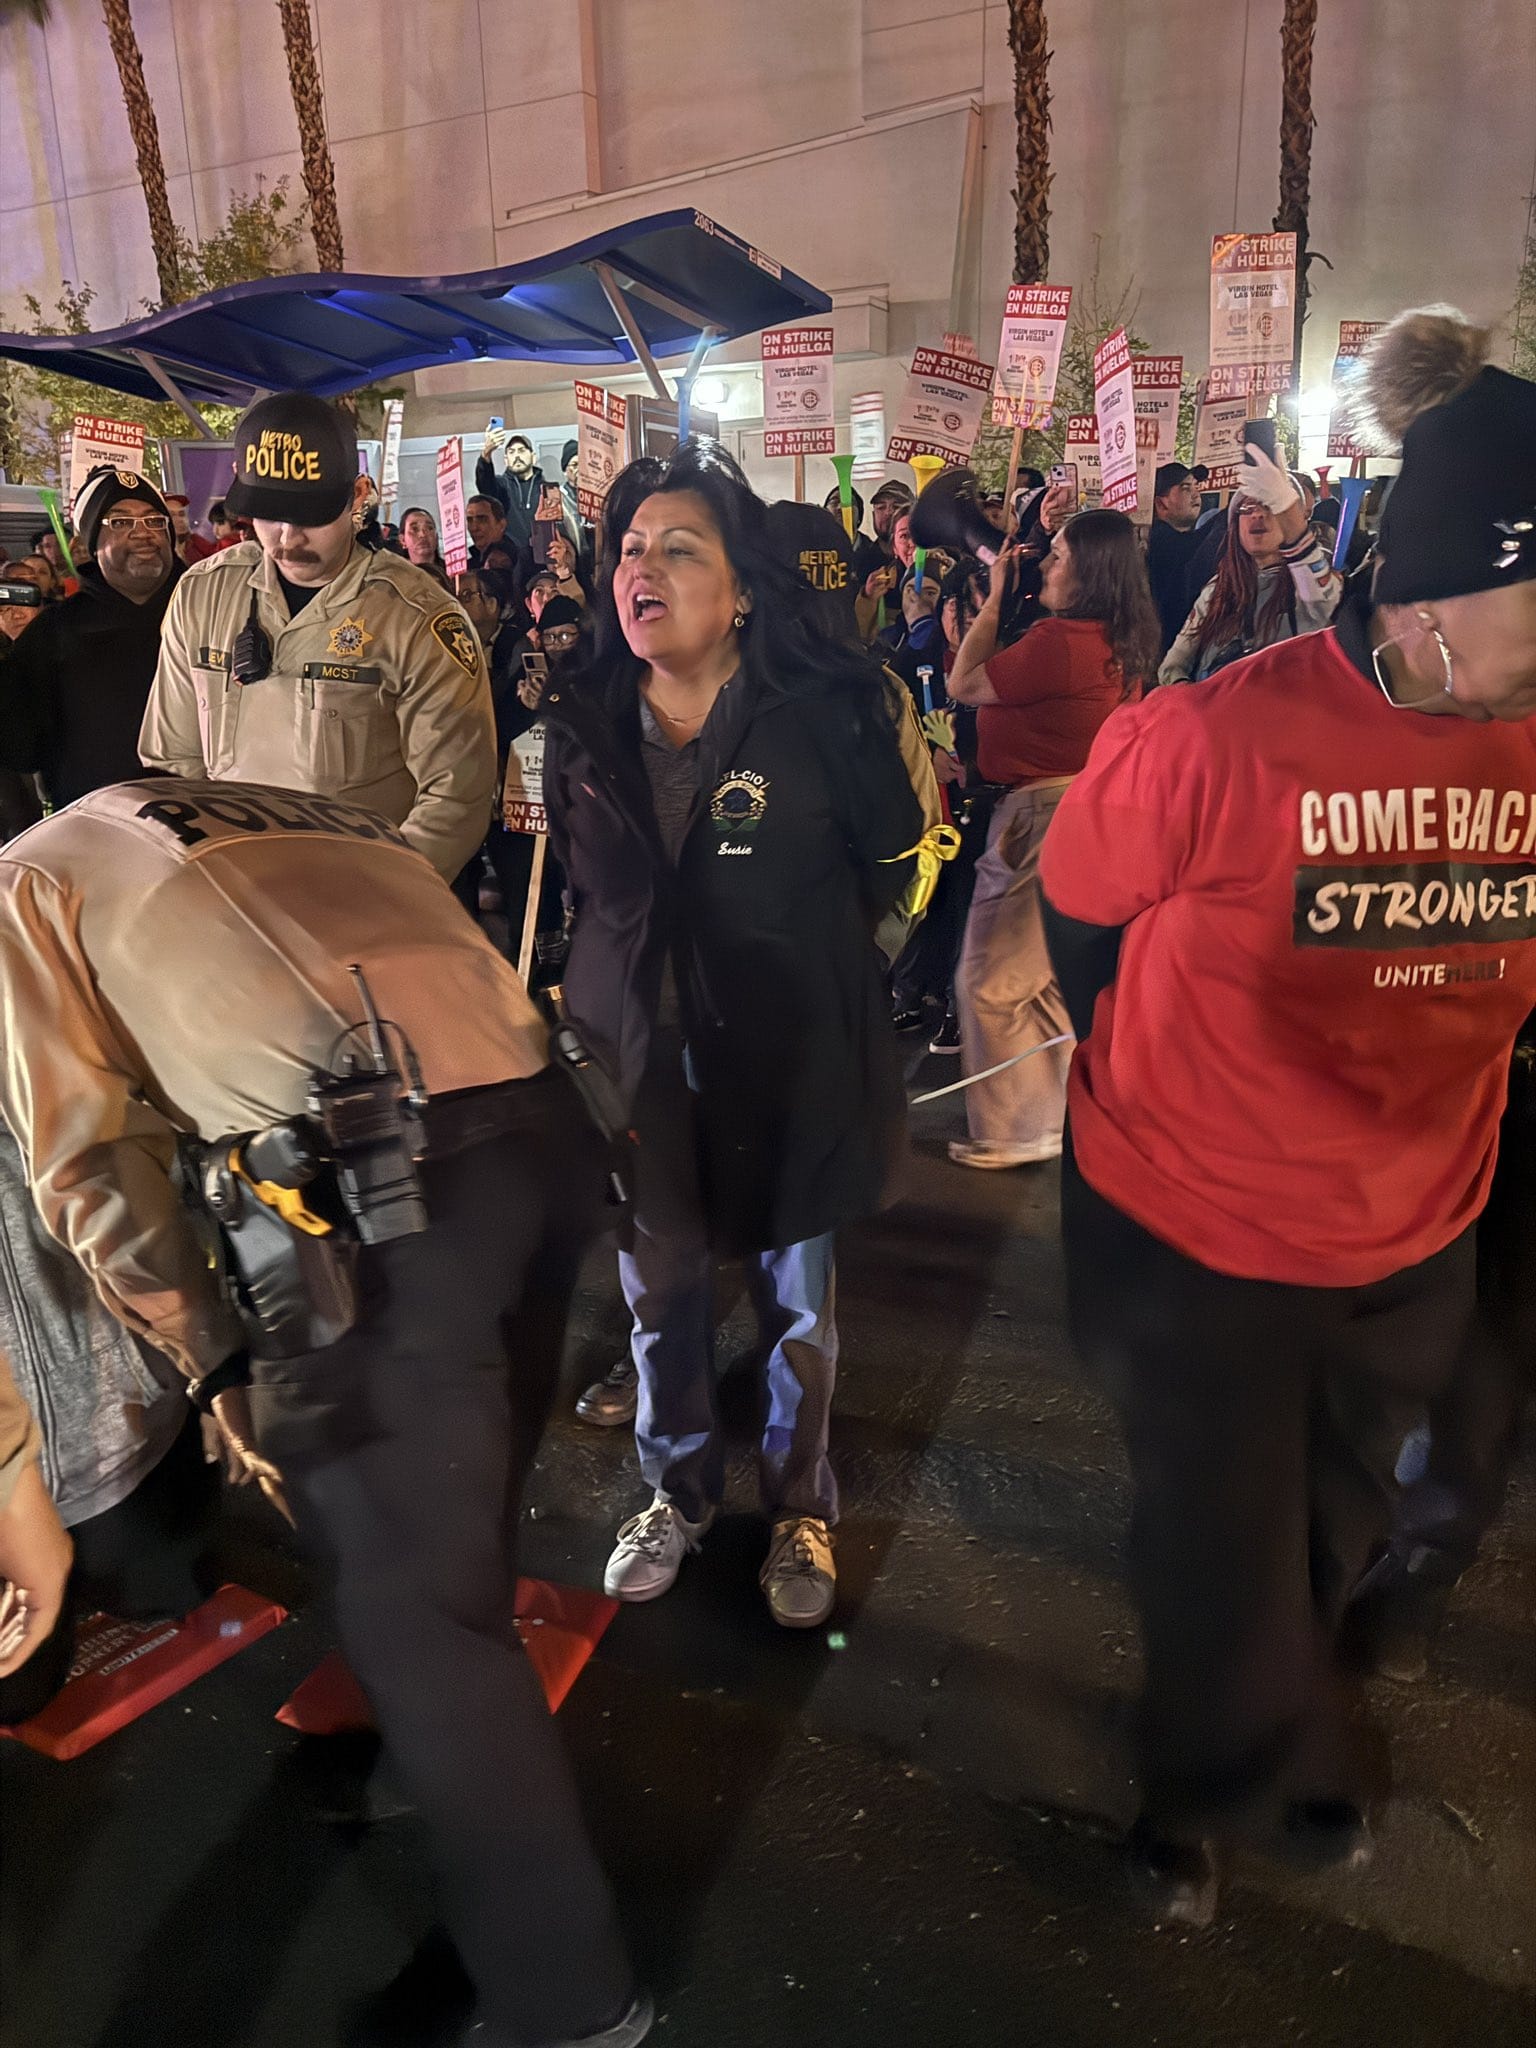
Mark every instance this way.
x=1032 y=112
x=145 y=131
x=1298 y=31
x=309 y=105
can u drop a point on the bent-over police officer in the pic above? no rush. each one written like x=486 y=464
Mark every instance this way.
x=278 y=989
x=304 y=660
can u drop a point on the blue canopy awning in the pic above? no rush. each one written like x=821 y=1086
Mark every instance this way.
x=663 y=282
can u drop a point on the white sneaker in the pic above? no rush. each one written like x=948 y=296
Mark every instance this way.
x=990 y=1155
x=650 y=1550
x=800 y=1578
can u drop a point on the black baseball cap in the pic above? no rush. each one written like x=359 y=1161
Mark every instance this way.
x=812 y=542
x=1172 y=473
x=295 y=460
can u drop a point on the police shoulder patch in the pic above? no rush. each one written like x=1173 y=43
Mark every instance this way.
x=452 y=633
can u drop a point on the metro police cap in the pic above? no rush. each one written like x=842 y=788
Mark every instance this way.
x=295 y=461
x=809 y=540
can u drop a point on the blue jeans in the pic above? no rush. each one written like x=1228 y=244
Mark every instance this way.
x=668 y=1280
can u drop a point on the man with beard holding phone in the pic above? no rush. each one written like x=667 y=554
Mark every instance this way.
x=305 y=661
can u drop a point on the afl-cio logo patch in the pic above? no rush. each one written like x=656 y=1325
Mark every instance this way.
x=738 y=803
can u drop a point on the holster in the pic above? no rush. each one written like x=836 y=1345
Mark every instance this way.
x=294 y=1291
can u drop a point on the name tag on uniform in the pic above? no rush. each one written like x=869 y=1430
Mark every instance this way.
x=341 y=672
x=213 y=657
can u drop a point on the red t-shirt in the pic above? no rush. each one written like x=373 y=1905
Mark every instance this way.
x=1055 y=688
x=1330 y=911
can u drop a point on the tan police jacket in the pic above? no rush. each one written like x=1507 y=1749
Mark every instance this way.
x=173 y=958
x=378 y=693
x=20 y=1442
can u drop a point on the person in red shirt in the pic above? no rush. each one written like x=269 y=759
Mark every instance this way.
x=1293 y=910
x=1041 y=702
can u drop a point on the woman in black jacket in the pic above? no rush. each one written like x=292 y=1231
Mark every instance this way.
x=726 y=794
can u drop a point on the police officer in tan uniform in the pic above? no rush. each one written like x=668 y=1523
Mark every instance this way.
x=176 y=962
x=304 y=660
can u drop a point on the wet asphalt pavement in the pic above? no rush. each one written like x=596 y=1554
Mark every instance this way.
x=895 y=1832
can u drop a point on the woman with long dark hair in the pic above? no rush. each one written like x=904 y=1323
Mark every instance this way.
x=1041 y=702
x=1273 y=580
x=726 y=794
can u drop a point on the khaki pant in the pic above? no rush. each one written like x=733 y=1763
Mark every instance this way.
x=1006 y=991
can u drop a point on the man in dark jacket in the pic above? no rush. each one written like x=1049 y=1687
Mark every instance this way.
x=72 y=696
x=1172 y=542
x=519 y=486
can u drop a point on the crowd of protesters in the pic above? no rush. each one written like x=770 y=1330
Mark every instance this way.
x=1085 y=805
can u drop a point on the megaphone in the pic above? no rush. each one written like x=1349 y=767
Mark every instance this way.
x=949 y=514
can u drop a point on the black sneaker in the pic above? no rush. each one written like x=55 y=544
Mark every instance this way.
x=908 y=1020
x=1178 y=1883
x=947 y=1037
x=1325 y=1834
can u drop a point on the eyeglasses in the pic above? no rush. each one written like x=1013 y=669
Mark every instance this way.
x=561 y=637
x=120 y=528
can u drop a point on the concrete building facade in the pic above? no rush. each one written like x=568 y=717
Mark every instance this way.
x=829 y=132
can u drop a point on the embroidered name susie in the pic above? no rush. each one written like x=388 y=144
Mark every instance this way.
x=737 y=809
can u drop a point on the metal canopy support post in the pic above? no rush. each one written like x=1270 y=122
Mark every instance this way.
x=167 y=384
x=613 y=293
x=701 y=349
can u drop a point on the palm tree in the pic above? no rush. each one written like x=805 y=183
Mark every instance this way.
x=1298 y=31
x=1032 y=112
x=309 y=105
x=145 y=131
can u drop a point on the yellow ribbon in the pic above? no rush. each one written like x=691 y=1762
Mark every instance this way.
x=935 y=847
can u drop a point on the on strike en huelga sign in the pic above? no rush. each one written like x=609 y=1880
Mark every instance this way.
x=522 y=791
x=797 y=391
x=1344 y=445
x=1219 y=437
x=866 y=435
x=96 y=440
x=450 y=506
x=1158 y=380
x=1083 y=449
x=1029 y=353
x=1253 y=313
x=389 y=467
x=941 y=407
x=600 y=445
x=1114 y=396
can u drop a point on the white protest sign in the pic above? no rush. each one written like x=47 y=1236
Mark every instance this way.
x=1253 y=313
x=867 y=436
x=941 y=407
x=600 y=446
x=1029 y=353
x=389 y=467
x=1082 y=448
x=1147 y=459
x=1158 y=381
x=1219 y=438
x=797 y=391
x=1114 y=397
x=522 y=792
x=94 y=441
x=450 y=506
x=1344 y=445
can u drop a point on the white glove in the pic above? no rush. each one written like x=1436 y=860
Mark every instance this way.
x=1262 y=479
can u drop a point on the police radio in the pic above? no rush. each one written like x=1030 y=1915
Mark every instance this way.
x=370 y=1117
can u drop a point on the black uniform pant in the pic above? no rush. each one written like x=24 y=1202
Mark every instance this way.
x=406 y=1446
x=1262 y=1423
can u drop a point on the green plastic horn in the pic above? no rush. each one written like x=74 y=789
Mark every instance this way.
x=925 y=468
x=843 y=464
x=56 y=521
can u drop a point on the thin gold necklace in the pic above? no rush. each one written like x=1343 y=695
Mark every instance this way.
x=672 y=717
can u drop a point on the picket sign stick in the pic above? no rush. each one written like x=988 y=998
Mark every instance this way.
x=531 y=912
x=799 y=479
x=1015 y=457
